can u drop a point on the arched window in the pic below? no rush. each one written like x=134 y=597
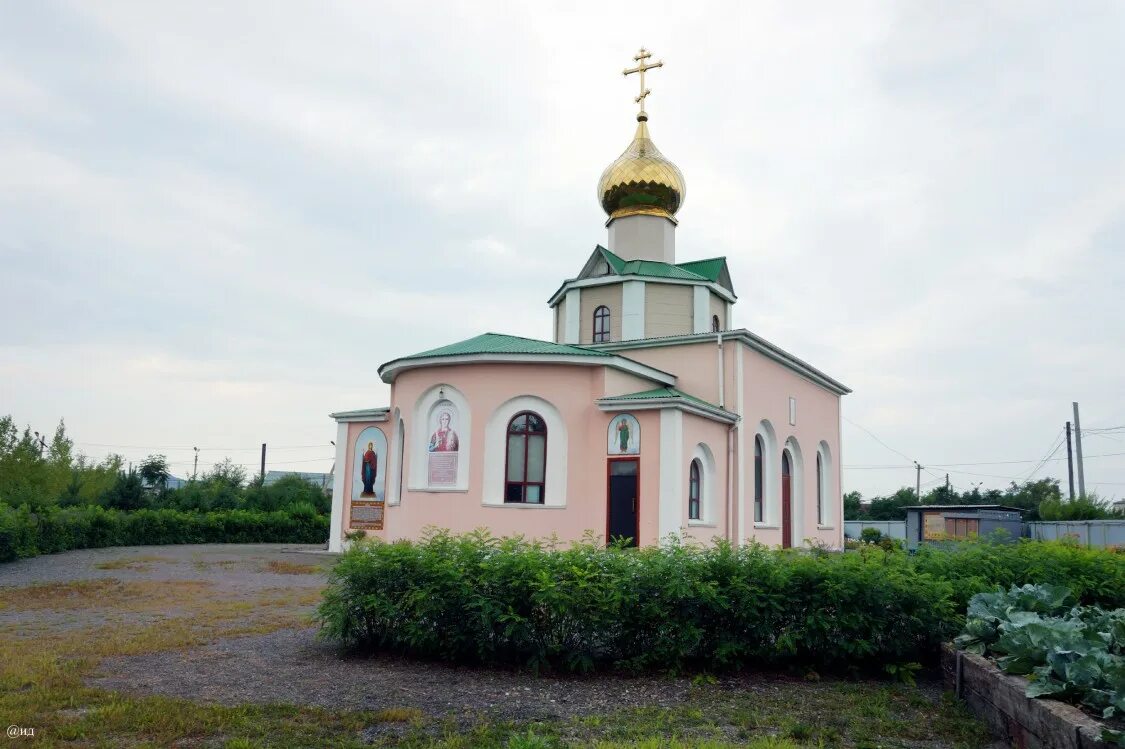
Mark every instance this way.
x=695 y=486
x=758 y=479
x=786 y=499
x=526 y=463
x=715 y=324
x=819 y=490
x=601 y=324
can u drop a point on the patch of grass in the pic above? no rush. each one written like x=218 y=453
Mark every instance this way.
x=398 y=715
x=109 y=594
x=767 y=742
x=292 y=568
x=138 y=563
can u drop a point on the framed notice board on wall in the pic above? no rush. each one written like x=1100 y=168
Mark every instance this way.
x=367 y=515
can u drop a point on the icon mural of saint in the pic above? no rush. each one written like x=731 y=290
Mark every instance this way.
x=623 y=434
x=444 y=439
x=368 y=470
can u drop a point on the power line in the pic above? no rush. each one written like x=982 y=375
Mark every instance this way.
x=881 y=442
x=1060 y=441
x=985 y=463
x=201 y=449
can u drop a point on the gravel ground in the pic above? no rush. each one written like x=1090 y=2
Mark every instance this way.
x=292 y=666
x=229 y=566
x=289 y=665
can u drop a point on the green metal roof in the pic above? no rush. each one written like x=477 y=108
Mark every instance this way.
x=497 y=343
x=661 y=393
x=710 y=268
x=697 y=270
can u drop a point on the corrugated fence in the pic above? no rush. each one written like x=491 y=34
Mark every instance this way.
x=1100 y=533
x=892 y=528
x=1088 y=532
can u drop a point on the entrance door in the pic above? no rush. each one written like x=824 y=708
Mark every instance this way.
x=622 y=500
x=786 y=501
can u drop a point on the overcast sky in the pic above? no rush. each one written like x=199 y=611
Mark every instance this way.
x=216 y=221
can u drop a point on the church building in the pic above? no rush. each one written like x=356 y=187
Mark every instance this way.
x=646 y=413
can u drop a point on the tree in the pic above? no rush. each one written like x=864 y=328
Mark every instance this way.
x=1030 y=496
x=1088 y=507
x=154 y=471
x=128 y=492
x=226 y=473
x=853 y=506
x=892 y=507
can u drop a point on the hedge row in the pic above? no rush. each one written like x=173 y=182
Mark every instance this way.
x=477 y=599
x=27 y=533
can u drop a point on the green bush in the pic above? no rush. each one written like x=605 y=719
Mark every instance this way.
x=478 y=599
x=871 y=535
x=25 y=532
x=1095 y=576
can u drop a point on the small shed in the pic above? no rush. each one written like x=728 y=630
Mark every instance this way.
x=932 y=523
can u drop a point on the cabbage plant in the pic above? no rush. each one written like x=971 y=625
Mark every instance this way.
x=1068 y=652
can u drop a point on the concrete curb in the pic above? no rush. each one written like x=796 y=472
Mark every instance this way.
x=999 y=699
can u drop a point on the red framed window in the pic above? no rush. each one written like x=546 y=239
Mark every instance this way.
x=601 y=324
x=525 y=466
x=758 y=450
x=694 y=487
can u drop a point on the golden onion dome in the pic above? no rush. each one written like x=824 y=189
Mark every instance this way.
x=641 y=180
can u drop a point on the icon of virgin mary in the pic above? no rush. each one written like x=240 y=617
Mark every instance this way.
x=368 y=470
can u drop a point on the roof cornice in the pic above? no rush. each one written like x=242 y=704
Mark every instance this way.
x=753 y=341
x=363 y=414
x=392 y=369
x=579 y=283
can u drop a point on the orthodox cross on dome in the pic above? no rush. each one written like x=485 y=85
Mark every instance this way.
x=642 y=66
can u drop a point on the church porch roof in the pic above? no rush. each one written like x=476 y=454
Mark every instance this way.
x=663 y=397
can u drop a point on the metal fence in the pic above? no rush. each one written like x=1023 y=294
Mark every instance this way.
x=1100 y=533
x=892 y=528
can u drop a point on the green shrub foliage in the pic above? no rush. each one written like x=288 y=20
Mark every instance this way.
x=478 y=599
x=25 y=532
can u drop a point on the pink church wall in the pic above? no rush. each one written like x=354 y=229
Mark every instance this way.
x=698 y=430
x=767 y=388
x=649 y=510
x=572 y=390
x=696 y=366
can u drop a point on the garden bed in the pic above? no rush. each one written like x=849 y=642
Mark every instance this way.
x=1000 y=700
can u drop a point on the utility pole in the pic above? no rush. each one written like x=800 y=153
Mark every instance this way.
x=1078 y=449
x=1069 y=462
x=947 y=484
x=263 y=462
x=918 y=482
x=195 y=468
x=41 y=441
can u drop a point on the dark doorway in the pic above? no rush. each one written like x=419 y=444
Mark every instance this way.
x=786 y=501
x=622 y=501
